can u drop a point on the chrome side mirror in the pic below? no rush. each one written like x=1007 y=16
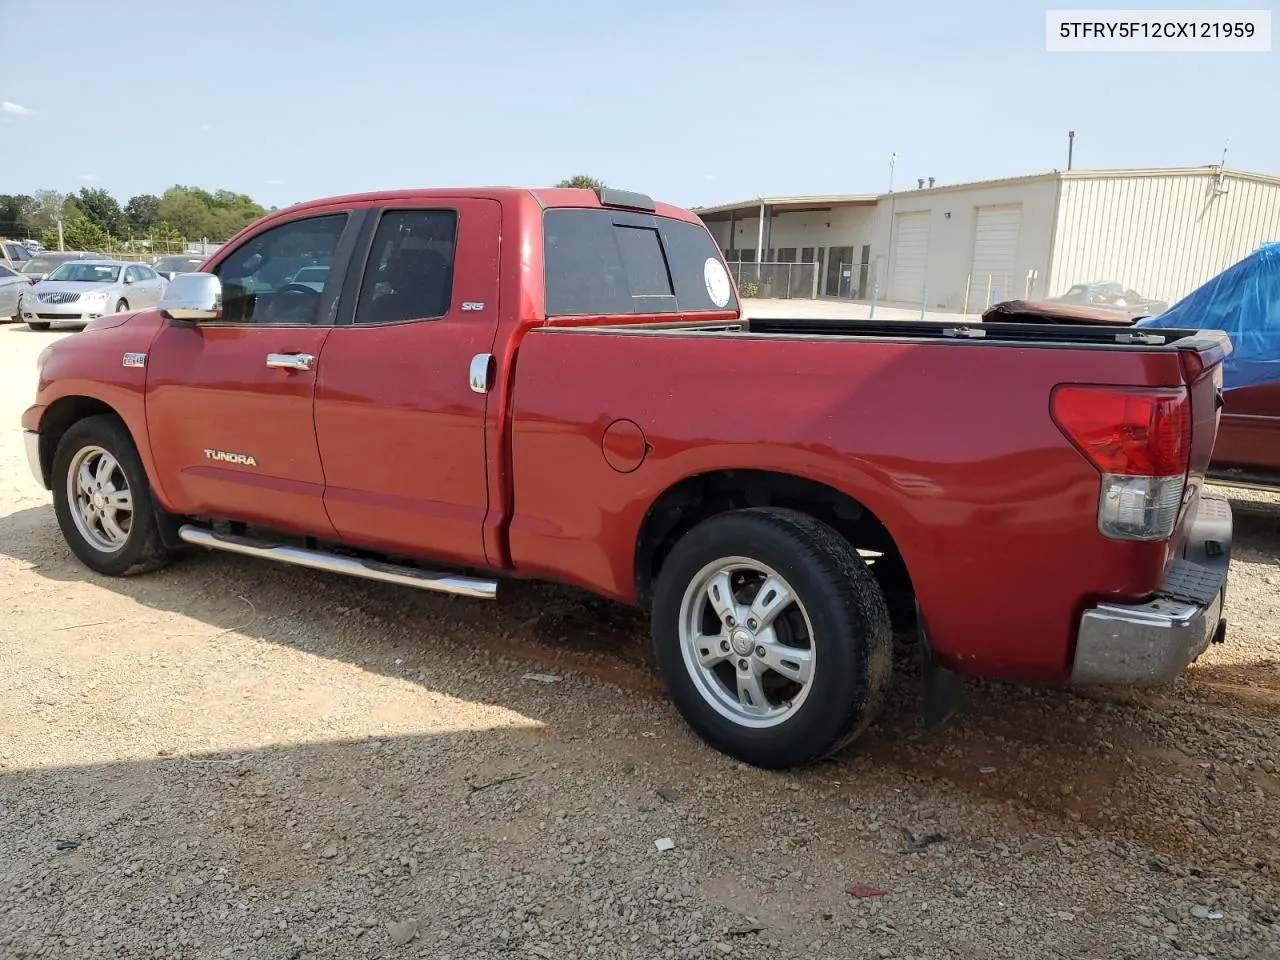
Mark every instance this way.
x=192 y=296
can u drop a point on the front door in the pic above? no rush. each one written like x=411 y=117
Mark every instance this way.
x=401 y=433
x=229 y=402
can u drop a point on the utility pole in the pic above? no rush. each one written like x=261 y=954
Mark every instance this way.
x=1071 y=142
x=61 y=246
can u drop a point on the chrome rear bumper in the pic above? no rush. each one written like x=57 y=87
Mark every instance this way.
x=1152 y=643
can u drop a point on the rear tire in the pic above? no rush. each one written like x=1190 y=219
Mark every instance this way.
x=772 y=636
x=103 y=500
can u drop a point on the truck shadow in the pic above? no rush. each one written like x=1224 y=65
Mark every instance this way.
x=1061 y=758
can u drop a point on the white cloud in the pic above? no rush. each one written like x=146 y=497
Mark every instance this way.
x=90 y=177
x=275 y=183
x=206 y=126
x=11 y=109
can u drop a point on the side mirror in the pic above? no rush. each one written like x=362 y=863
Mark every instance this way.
x=128 y=279
x=192 y=296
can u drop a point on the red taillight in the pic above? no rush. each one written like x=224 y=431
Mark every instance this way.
x=1127 y=431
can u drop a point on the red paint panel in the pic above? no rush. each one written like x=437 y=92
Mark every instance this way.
x=951 y=445
x=89 y=364
x=208 y=387
x=401 y=433
x=1249 y=435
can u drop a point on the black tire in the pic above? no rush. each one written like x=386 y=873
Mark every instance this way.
x=122 y=306
x=852 y=641
x=142 y=549
x=37 y=325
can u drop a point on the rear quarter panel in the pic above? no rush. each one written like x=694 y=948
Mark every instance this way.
x=950 y=444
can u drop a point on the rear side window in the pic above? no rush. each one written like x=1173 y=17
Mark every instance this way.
x=606 y=262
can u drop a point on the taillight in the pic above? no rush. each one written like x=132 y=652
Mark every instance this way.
x=1140 y=441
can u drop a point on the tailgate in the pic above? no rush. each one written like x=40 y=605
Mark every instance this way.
x=1201 y=360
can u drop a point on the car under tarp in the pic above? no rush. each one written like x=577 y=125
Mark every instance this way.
x=1244 y=301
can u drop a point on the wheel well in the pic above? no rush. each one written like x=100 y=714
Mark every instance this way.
x=695 y=499
x=57 y=420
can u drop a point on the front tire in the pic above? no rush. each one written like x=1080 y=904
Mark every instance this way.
x=122 y=306
x=103 y=500
x=772 y=636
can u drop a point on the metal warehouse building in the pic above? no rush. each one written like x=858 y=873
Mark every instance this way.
x=1160 y=233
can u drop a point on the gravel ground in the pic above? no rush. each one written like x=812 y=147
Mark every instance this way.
x=235 y=759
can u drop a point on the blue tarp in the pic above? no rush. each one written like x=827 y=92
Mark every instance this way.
x=1243 y=300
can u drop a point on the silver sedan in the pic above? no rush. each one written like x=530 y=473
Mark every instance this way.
x=12 y=284
x=82 y=290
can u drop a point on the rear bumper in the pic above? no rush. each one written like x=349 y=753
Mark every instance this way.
x=1154 y=642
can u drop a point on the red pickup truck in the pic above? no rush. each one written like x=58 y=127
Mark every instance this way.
x=446 y=388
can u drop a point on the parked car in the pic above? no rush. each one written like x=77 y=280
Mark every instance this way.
x=313 y=277
x=12 y=284
x=170 y=267
x=1109 y=293
x=43 y=264
x=764 y=488
x=81 y=290
x=13 y=254
x=1244 y=302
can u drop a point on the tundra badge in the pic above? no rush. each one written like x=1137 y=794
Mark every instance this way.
x=222 y=455
x=135 y=360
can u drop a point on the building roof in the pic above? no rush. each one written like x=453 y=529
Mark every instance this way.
x=826 y=202
x=788 y=204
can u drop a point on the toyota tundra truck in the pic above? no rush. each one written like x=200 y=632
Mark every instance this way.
x=446 y=389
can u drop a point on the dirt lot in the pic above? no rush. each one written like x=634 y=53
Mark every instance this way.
x=235 y=759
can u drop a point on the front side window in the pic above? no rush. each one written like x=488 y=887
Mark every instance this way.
x=257 y=284
x=78 y=272
x=409 y=275
x=610 y=263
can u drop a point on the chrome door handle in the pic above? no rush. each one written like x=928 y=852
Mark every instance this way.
x=290 y=361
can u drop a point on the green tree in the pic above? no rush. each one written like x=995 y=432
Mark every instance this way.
x=582 y=181
x=143 y=212
x=195 y=212
x=80 y=233
x=14 y=208
x=163 y=238
x=103 y=209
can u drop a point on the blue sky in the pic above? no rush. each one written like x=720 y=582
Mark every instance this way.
x=695 y=102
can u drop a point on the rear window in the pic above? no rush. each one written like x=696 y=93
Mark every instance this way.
x=608 y=262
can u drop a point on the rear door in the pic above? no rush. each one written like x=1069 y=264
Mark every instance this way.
x=400 y=430
x=229 y=402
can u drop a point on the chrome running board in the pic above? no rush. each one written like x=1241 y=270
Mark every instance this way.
x=352 y=566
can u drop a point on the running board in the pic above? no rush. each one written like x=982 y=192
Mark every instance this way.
x=352 y=566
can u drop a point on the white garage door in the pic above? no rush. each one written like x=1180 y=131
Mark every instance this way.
x=910 y=256
x=995 y=254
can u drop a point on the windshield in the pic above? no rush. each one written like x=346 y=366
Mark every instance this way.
x=42 y=264
x=179 y=264
x=79 y=272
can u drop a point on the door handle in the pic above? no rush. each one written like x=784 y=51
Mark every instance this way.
x=290 y=361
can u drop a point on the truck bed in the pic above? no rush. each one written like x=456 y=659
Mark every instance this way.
x=1025 y=334
x=954 y=453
